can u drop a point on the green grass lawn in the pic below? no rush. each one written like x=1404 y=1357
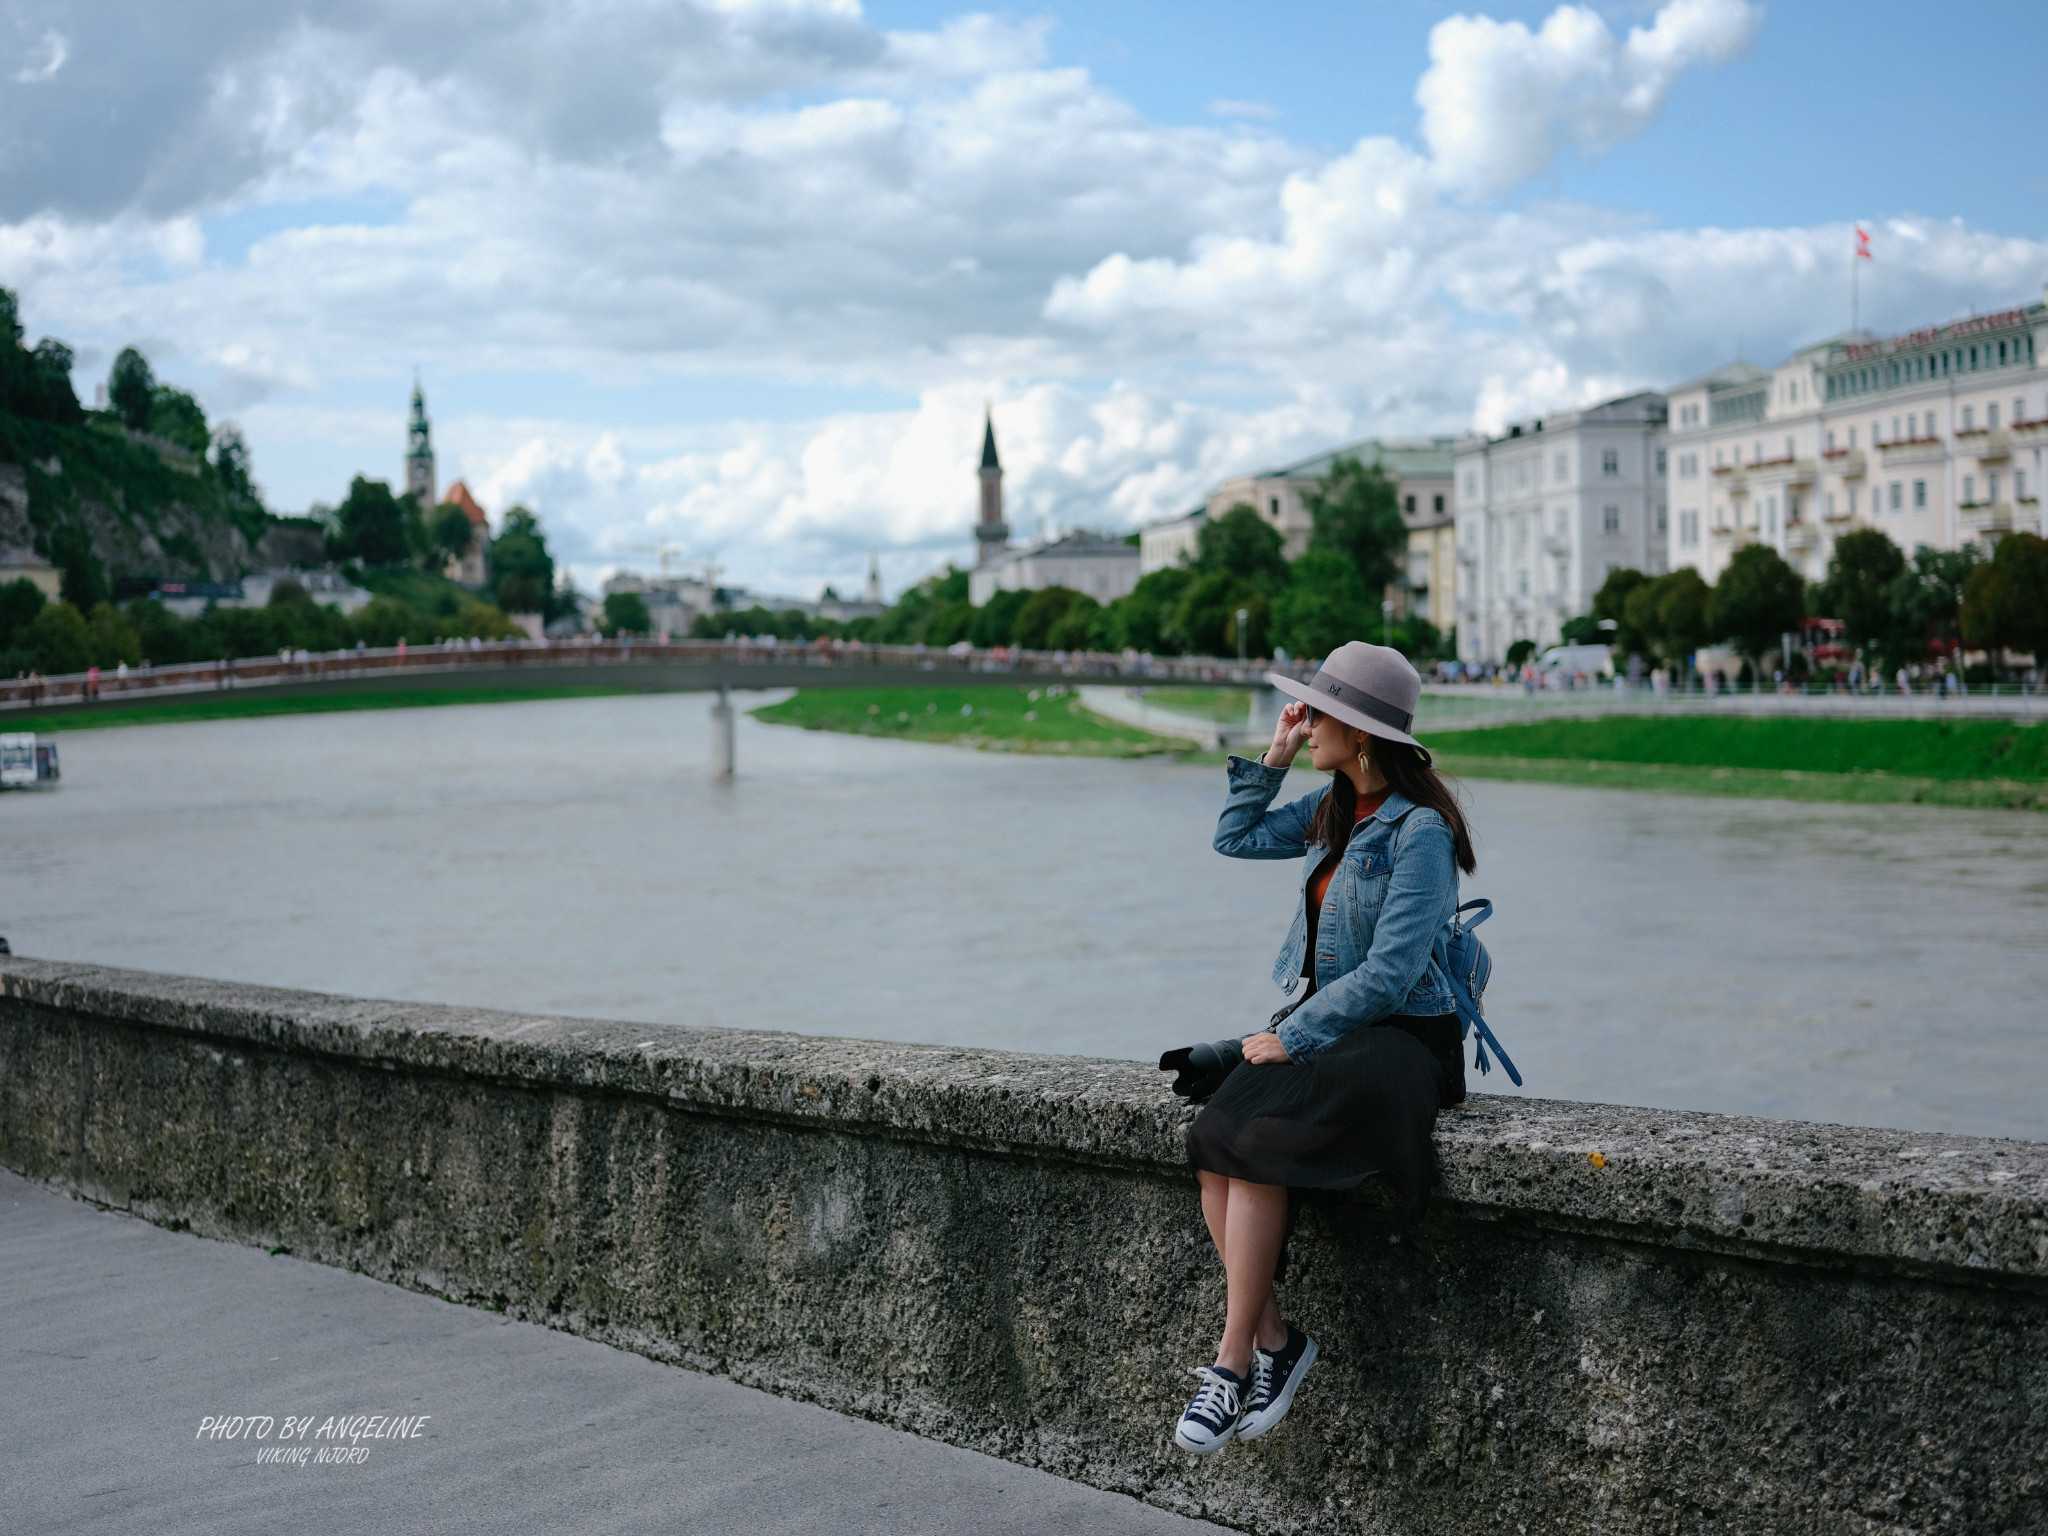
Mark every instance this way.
x=242 y=704
x=1942 y=762
x=1005 y=719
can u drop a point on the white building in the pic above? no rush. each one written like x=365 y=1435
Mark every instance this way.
x=1420 y=468
x=1935 y=437
x=1101 y=566
x=1175 y=541
x=1546 y=511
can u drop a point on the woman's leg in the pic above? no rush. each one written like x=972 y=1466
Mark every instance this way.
x=1247 y=1223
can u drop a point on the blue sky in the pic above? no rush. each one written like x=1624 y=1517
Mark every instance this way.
x=743 y=275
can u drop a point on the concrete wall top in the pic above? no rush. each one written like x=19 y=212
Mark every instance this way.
x=1973 y=1209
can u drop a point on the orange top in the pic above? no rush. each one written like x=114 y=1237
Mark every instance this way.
x=1319 y=884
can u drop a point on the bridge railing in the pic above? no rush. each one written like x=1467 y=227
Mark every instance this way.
x=502 y=655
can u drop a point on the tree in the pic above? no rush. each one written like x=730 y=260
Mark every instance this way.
x=1325 y=605
x=131 y=389
x=112 y=639
x=1611 y=602
x=2005 y=599
x=1670 y=613
x=1357 y=513
x=384 y=621
x=1042 y=614
x=451 y=531
x=1143 y=618
x=84 y=578
x=1858 y=590
x=1241 y=544
x=521 y=550
x=995 y=621
x=520 y=593
x=370 y=526
x=176 y=417
x=1758 y=599
x=1927 y=599
x=231 y=463
x=625 y=613
x=1520 y=652
x=1203 y=622
x=20 y=601
x=58 y=639
x=34 y=385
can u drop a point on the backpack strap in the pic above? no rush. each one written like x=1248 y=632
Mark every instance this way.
x=1483 y=905
x=1468 y=1005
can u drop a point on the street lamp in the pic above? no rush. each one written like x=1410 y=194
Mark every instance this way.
x=1243 y=616
x=1386 y=621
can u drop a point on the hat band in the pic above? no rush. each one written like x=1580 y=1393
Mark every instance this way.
x=1363 y=702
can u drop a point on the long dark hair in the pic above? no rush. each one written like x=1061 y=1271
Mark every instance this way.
x=1409 y=773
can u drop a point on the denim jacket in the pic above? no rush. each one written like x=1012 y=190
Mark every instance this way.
x=1380 y=937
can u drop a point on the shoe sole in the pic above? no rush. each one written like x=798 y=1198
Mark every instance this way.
x=1285 y=1400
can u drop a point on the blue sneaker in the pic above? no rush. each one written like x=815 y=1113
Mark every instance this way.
x=1274 y=1378
x=1212 y=1416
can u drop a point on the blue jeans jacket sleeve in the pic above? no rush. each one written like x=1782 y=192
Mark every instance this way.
x=1422 y=890
x=1248 y=830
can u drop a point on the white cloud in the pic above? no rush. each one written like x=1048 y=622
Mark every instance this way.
x=622 y=201
x=45 y=59
x=1498 y=99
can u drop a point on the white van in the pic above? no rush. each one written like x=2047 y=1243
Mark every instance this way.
x=26 y=763
x=1570 y=660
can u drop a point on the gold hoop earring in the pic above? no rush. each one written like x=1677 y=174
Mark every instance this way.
x=1364 y=762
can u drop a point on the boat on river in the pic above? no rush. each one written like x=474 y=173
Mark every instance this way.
x=27 y=761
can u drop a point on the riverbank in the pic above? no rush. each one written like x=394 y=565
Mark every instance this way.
x=1048 y=718
x=1983 y=763
x=233 y=704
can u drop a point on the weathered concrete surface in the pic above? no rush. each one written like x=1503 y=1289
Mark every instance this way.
x=120 y=1339
x=1730 y=1325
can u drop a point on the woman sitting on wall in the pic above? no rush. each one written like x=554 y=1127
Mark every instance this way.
x=1347 y=1080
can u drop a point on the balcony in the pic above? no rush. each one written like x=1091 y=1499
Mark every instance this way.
x=1985 y=444
x=1467 y=555
x=1846 y=462
x=1801 y=535
x=1785 y=471
x=1986 y=516
x=1557 y=543
x=1913 y=450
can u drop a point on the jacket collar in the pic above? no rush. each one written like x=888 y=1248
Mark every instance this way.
x=1397 y=805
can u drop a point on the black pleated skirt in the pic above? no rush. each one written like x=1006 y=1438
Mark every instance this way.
x=1365 y=1106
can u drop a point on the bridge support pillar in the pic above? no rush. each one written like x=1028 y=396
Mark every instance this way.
x=722 y=748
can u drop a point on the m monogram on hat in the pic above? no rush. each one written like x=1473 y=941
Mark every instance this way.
x=1371 y=687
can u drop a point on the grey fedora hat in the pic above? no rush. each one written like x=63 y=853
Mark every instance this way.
x=1371 y=687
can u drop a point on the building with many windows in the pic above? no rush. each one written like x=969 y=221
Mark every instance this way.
x=1546 y=510
x=1936 y=437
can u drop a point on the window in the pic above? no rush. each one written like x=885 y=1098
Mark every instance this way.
x=1831 y=503
x=1991 y=416
x=1408 y=506
x=1898 y=494
x=1688 y=466
x=1610 y=461
x=1969 y=418
x=1660 y=461
x=1471 y=483
x=1275 y=505
x=1831 y=442
x=1610 y=519
x=1439 y=504
x=1717 y=458
x=1919 y=495
x=1561 y=467
x=1662 y=524
x=1791 y=506
x=1930 y=425
x=2019 y=485
x=1521 y=583
x=1790 y=451
x=1852 y=439
x=2019 y=410
x=1689 y=527
x=1895 y=429
x=1991 y=486
x=1969 y=490
x=1771 y=513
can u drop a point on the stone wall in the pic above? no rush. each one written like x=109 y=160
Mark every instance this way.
x=1719 y=1324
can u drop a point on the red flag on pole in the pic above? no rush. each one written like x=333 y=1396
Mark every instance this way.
x=1862 y=243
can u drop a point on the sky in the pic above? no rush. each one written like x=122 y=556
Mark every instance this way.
x=738 y=278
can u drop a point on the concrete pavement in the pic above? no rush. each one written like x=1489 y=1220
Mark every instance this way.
x=119 y=1339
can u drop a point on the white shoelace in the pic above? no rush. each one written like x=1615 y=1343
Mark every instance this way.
x=1262 y=1380
x=1215 y=1400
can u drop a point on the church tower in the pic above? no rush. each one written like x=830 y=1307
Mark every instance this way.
x=419 y=451
x=992 y=537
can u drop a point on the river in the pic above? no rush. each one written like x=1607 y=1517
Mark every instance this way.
x=1864 y=965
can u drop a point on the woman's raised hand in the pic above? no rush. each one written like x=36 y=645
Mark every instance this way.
x=1288 y=736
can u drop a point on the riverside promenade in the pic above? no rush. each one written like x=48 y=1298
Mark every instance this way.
x=120 y=1339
